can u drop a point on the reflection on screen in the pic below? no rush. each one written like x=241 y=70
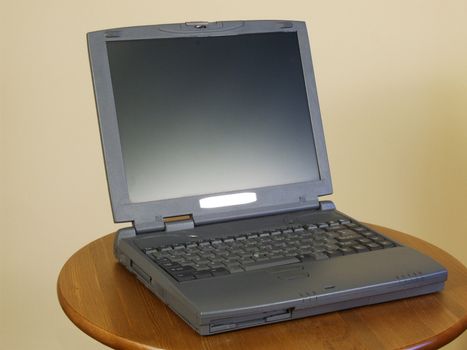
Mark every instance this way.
x=204 y=115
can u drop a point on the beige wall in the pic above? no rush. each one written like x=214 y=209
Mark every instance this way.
x=392 y=81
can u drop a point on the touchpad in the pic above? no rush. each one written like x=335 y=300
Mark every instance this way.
x=287 y=274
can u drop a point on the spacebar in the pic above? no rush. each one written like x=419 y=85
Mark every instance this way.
x=269 y=263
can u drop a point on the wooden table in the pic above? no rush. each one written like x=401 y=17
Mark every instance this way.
x=110 y=305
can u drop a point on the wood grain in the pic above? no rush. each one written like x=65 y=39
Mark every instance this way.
x=110 y=305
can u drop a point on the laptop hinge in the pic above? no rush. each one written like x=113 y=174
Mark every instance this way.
x=178 y=223
x=147 y=226
x=327 y=205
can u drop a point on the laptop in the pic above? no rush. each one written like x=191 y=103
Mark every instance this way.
x=215 y=156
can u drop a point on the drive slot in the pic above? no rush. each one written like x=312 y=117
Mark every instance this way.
x=140 y=273
x=280 y=317
x=245 y=322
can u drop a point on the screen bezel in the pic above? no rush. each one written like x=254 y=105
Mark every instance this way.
x=270 y=199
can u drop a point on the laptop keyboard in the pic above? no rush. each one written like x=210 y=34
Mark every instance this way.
x=259 y=250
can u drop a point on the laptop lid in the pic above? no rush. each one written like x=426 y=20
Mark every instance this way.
x=218 y=120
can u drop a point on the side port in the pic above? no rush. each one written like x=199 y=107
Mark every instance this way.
x=140 y=273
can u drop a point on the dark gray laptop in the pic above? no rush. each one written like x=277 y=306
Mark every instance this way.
x=215 y=153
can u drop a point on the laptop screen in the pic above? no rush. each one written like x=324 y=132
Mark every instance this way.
x=203 y=115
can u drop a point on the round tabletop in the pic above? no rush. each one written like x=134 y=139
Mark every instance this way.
x=108 y=303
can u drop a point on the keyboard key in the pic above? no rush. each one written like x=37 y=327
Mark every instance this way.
x=203 y=274
x=179 y=252
x=346 y=251
x=335 y=227
x=216 y=265
x=149 y=250
x=332 y=235
x=219 y=271
x=235 y=269
x=346 y=232
x=346 y=244
x=183 y=276
x=183 y=268
x=178 y=259
x=231 y=260
x=222 y=253
x=374 y=246
x=333 y=253
x=168 y=264
x=386 y=244
x=360 y=248
x=367 y=234
x=319 y=256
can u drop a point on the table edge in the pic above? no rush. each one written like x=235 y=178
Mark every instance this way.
x=100 y=334
x=441 y=339
x=117 y=342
